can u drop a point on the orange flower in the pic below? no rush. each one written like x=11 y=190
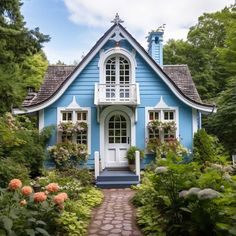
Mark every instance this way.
x=53 y=187
x=58 y=199
x=40 y=197
x=14 y=184
x=64 y=195
x=23 y=202
x=26 y=190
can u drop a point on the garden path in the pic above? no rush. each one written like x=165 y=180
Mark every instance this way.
x=116 y=215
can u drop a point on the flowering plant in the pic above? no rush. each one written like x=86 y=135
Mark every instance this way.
x=67 y=153
x=80 y=126
x=159 y=125
x=66 y=127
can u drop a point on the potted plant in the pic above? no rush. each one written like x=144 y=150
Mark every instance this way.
x=131 y=156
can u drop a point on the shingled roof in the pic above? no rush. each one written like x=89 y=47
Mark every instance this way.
x=57 y=75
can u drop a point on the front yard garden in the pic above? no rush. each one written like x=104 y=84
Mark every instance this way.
x=34 y=201
x=183 y=197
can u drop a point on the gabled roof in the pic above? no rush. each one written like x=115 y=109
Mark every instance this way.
x=58 y=78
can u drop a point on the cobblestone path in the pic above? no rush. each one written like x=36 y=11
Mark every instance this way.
x=116 y=215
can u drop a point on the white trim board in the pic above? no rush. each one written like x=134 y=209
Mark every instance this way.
x=91 y=56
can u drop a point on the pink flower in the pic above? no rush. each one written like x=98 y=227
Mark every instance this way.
x=26 y=190
x=23 y=202
x=14 y=184
x=53 y=187
x=40 y=197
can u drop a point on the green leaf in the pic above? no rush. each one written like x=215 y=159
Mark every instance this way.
x=7 y=222
x=185 y=209
x=30 y=232
x=42 y=231
x=40 y=222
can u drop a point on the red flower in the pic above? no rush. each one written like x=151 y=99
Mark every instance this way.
x=14 y=184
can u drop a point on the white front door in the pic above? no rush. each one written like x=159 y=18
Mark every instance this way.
x=117 y=139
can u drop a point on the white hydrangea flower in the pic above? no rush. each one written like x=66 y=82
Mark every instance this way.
x=183 y=193
x=217 y=166
x=193 y=191
x=208 y=193
x=229 y=169
x=161 y=169
x=226 y=176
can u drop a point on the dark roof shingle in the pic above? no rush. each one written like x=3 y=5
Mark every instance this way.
x=57 y=75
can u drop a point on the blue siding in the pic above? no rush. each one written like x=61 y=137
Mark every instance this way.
x=151 y=89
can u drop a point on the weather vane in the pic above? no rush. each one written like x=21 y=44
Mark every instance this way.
x=117 y=20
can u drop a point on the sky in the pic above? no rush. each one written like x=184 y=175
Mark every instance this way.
x=75 y=25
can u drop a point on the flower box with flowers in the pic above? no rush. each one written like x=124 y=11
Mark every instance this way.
x=80 y=127
x=66 y=127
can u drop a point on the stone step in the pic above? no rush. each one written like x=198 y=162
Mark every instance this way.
x=108 y=178
x=116 y=184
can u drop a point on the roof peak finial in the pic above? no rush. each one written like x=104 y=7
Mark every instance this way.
x=117 y=19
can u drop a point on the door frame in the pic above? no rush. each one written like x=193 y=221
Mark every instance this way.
x=128 y=111
x=106 y=141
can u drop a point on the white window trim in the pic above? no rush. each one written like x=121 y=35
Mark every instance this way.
x=161 y=110
x=74 y=120
x=104 y=55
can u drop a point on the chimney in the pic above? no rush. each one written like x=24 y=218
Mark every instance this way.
x=155 y=46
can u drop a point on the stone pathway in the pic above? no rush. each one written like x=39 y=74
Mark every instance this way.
x=116 y=216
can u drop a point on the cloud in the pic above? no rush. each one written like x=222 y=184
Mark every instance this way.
x=141 y=16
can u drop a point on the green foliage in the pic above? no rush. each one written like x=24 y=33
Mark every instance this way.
x=10 y=169
x=22 y=143
x=187 y=199
x=22 y=63
x=223 y=123
x=131 y=154
x=84 y=176
x=206 y=148
x=29 y=218
x=71 y=225
x=203 y=51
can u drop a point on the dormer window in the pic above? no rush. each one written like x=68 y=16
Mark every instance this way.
x=117 y=70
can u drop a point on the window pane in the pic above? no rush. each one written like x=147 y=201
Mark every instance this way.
x=156 y=116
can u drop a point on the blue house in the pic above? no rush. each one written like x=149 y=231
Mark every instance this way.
x=117 y=89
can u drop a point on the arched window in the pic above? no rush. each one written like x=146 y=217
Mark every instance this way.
x=117 y=70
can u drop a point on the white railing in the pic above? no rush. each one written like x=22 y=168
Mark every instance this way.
x=116 y=94
x=96 y=164
x=137 y=164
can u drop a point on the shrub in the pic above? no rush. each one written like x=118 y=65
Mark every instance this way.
x=9 y=169
x=68 y=154
x=26 y=213
x=206 y=148
x=131 y=154
x=84 y=175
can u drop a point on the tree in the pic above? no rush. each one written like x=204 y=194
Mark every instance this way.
x=202 y=53
x=18 y=45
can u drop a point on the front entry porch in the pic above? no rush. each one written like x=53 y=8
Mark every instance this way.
x=117 y=178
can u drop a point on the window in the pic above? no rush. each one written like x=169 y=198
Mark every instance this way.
x=161 y=125
x=117 y=129
x=117 y=70
x=74 y=126
x=66 y=116
x=82 y=133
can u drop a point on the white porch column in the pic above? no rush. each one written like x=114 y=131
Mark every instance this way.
x=137 y=164
x=96 y=164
